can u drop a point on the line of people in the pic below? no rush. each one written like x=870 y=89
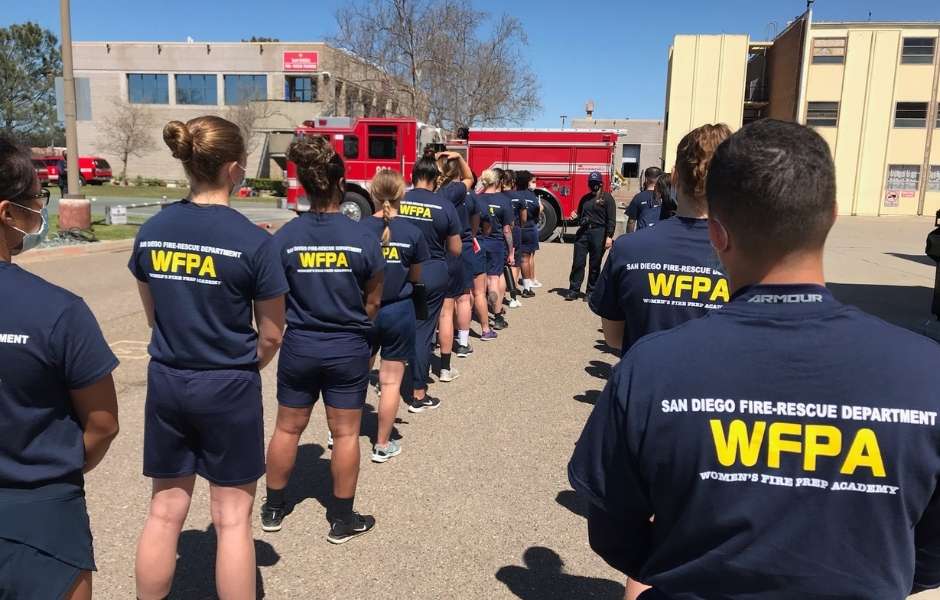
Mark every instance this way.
x=223 y=298
x=758 y=438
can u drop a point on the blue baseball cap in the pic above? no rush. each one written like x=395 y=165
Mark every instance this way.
x=595 y=177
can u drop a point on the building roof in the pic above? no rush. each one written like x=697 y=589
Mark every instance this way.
x=878 y=24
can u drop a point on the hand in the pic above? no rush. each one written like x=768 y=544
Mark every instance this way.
x=574 y=214
x=447 y=155
x=511 y=261
x=608 y=243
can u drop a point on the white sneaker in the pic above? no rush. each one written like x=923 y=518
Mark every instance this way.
x=514 y=303
x=448 y=375
x=329 y=440
x=536 y=284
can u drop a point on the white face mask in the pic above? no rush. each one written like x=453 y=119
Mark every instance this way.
x=241 y=181
x=31 y=240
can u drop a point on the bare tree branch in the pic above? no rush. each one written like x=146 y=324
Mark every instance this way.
x=126 y=132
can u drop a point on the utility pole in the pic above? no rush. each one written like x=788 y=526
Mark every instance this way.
x=68 y=91
x=563 y=117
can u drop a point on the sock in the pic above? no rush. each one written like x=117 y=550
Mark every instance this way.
x=463 y=337
x=445 y=361
x=275 y=497
x=343 y=509
x=527 y=284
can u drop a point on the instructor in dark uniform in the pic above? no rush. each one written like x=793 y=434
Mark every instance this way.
x=596 y=217
x=794 y=452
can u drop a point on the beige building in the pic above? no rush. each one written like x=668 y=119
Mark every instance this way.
x=639 y=145
x=870 y=89
x=267 y=88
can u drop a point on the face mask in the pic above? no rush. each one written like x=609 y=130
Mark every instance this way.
x=241 y=181
x=594 y=187
x=31 y=240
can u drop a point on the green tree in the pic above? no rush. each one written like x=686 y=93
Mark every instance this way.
x=30 y=60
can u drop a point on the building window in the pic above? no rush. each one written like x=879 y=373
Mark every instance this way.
x=918 y=51
x=382 y=142
x=301 y=89
x=351 y=146
x=822 y=114
x=828 y=51
x=197 y=89
x=240 y=89
x=933 y=179
x=910 y=114
x=903 y=177
x=146 y=88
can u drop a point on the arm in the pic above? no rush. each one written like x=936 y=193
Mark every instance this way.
x=613 y=333
x=523 y=216
x=631 y=225
x=414 y=273
x=576 y=214
x=466 y=175
x=507 y=233
x=373 y=294
x=624 y=545
x=927 y=547
x=611 y=207
x=147 y=300
x=454 y=245
x=97 y=411
x=475 y=224
x=269 y=318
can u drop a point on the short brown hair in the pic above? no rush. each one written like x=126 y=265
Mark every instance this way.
x=694 y=155
x=203 y=145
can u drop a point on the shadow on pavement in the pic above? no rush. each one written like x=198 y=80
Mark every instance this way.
x=918 y=258
x=543 y=578
x=588 y=397
x=907 y=306
x=601 y=346
x=195 y=566
x=370 y=424
x=311 y=478
x=599 y=369
x=572 y=501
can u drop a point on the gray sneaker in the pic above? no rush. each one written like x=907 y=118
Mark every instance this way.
x=381 y=455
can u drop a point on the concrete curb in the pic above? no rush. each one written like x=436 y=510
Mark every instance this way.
x=46 y=254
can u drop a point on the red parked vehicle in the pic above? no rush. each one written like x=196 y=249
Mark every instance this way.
x=42 y=173
x=560 y=159
x=92 y=169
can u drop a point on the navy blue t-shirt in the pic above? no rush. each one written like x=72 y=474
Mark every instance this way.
x=50 y=343
x=791 y=452
x=496 y=209
x=406 y=247
x=644 y=209
x=464 y=206
x=658 y=278
x=434 y=215
x=205 y=266
x=328 y=259
x=533 y=208
x=473 y=210
x=517 y=200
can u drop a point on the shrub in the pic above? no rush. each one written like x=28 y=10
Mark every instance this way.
x=274 y=187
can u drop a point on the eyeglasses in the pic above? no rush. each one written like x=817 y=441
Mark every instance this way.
x=43 y=195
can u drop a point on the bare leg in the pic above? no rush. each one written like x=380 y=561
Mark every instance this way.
x=479 y=301
x=634 y=589
x=344 y=463
x=81 y=589
x=464 y=311
x=156 y=549
x=493 y=296
x=390 y=376
x=445 y=326
x=235 y=558
x=282 y=451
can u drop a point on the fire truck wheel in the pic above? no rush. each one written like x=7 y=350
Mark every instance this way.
x=355 y=206
x=548 y=221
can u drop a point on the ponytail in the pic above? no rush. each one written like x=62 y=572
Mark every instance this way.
x=387 y=217
x=388 y=187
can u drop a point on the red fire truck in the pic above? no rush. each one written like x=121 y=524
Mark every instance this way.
x=560 y=159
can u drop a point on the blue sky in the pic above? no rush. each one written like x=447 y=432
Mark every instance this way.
x=611 y=51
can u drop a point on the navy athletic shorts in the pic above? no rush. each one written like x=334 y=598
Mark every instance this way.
x=394 y=331
x=530 y=240
x=456 y=278
x=45 y=540
x=516 y=238
x=335 y=365
x=204 y=421
x=474 y=263
x=495 y=256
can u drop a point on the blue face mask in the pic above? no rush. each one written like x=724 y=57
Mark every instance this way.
x=31 y=240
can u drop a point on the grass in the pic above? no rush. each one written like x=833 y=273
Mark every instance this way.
x=147 y=192
x=102 y=232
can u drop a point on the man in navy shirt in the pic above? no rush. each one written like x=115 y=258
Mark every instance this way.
x=794 y=452
x=643 y=210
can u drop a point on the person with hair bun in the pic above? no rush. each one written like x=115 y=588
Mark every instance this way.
x=213 y=292
x=453 y=184
x=335 y=270
x=666 y=196
x=404 y=248
x=58 y=405
x=529 y=230
x=636 y=293
x=437 y=219
x=497 y=219
x=517 y=203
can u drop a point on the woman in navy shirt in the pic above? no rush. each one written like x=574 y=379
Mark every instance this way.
x=529 y=230
x=497 y=218
x=335 y=270
x=404 y=249
x=58 y=406
x=437 y=219
x=207 y=278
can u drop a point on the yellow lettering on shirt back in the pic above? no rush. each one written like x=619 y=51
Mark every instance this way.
x=391 y=253
x=693 y=286
x=191 y=263
x=324 y=259
x=413 y=210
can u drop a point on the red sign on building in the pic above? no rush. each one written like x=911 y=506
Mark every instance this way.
x=300 y=61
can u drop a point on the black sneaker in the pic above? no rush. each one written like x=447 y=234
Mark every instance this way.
x=570 y=295
x=343 y=531
x=428 y=403
x=271 y=517
x=499 y=322
x=463 y=351
x=528 y=294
